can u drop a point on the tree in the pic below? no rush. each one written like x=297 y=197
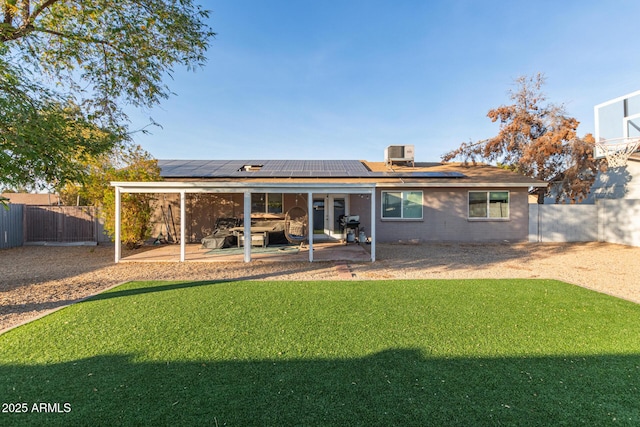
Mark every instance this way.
x=69 y=67
x=130 y=163
x=537 y=140
x=43 y=139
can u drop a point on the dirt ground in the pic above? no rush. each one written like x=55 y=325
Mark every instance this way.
x=37 y=279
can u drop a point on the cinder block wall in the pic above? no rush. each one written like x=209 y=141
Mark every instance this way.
x=445 y=218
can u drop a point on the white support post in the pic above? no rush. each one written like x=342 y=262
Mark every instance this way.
x=118 y=219
x=247 y=227
x=183 y=225
x=310 y=230
x=373 y=225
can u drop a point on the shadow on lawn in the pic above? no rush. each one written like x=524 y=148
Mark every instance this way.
x=51 y=305
x=119 y=293
x=393 y=387
x=8 y=309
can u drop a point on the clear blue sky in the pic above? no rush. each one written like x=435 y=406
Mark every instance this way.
x=304 y=79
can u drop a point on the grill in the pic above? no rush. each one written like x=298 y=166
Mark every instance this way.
x=348 y=223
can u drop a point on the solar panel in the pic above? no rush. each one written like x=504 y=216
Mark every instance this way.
x=284 y=169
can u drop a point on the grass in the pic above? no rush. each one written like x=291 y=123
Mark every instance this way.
x=427 y=352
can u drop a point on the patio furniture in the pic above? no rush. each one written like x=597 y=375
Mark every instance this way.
x=222 y=236
x=296 y=224
x=259 y=235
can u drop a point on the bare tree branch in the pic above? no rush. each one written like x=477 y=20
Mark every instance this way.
x=537 y=140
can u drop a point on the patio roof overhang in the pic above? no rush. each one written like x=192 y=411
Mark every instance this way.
x=244 y=186
x=247 y=188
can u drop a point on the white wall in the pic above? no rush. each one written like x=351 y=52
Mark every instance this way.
x=563 y=223
x=614 y=221
x=620 y=221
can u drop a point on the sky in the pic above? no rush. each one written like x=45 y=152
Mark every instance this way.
x=326 y=80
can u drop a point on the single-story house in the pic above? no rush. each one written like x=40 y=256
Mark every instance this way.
x=388 y=201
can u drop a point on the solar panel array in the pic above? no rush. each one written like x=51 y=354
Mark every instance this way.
x=283 y=169
x=261 y=168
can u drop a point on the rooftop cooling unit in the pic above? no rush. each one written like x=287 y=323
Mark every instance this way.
x=399 y=154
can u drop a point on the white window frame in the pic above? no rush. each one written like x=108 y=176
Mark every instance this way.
x=488 y=217
x=402 y=199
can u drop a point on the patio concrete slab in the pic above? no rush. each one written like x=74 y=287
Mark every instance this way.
x=195 y=253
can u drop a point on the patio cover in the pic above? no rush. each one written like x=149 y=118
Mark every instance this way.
x=246 y=188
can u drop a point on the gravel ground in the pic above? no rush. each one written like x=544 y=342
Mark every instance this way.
x=38 y=279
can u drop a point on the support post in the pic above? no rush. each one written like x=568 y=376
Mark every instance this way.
x=373 y=225
x=183 y=225
x=310 y=228
x=118 y=239
x=247 y=227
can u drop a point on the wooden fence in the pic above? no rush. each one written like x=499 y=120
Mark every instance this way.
x=62 y=224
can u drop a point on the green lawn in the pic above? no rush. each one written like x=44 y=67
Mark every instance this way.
x=419 y=352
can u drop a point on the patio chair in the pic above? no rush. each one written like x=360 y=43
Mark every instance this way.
x=296 y=223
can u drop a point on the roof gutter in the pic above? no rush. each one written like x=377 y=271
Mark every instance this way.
x=463 y=184
x=230 y=187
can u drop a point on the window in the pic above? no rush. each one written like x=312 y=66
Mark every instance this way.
x=402 y=204
x=488 y=204
x=266 y=203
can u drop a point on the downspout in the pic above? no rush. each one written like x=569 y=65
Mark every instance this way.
x=247 y=227
x=183 y=225
x=373 y=224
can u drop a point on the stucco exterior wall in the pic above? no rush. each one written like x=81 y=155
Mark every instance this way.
x=445 y=218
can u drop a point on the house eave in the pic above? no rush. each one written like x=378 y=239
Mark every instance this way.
x=462 y=184
x=238 y=187
x=300 y=187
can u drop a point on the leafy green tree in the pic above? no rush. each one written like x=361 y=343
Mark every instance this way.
x=69 y=67
x=124 y=164
x=43 y=139
x=537 y=140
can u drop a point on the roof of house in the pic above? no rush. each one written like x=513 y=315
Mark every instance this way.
x=346 y=171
